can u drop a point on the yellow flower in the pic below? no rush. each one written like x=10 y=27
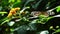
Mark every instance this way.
x=13 y=11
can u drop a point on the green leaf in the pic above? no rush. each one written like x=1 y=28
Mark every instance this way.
x=11 y=29
x=37 y=4
x=3 y=21
x=16 y=4
x=43 y=19
x=34 y=21
x=18 y=0
x=58 y=30
x=11 y=23
x=58 y=8
x=3 y=12
x=11 y=1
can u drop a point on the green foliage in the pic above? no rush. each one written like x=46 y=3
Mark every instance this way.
x=58 y=30
x=3 y=12
x=21 y=21
x=43 y=19
x=58 y=8
x=11 y=1
x=16 y=4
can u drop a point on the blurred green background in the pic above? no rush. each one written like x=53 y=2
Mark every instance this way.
x=23 y=24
